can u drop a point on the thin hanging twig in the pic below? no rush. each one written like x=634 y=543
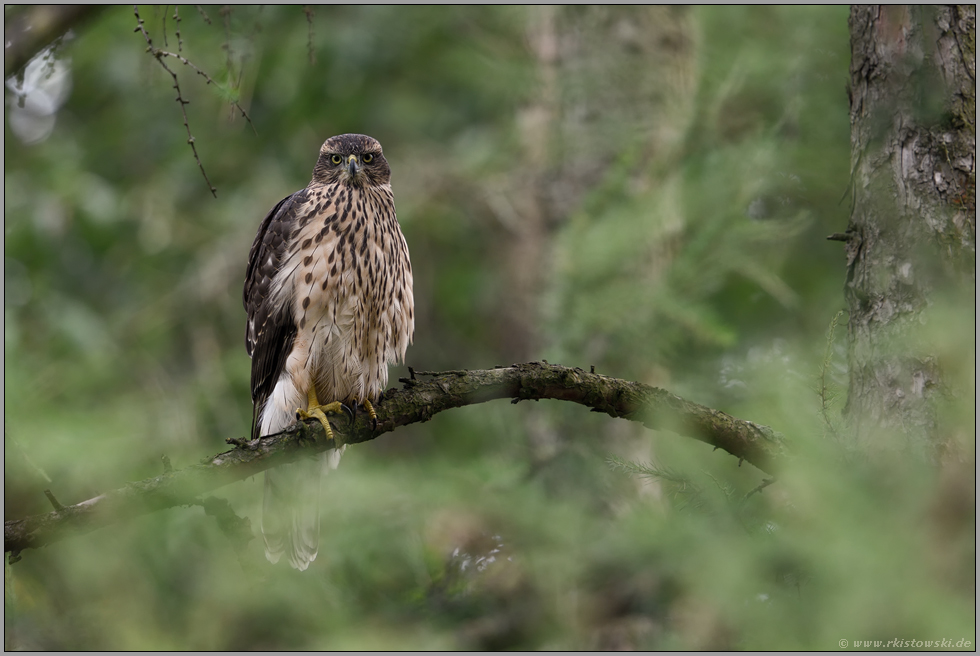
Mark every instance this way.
x=160 y=55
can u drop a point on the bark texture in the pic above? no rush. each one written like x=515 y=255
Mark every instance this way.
x=418 y=401
x=912 y=232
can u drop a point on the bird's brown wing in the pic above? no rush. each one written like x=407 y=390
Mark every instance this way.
x=270 y=329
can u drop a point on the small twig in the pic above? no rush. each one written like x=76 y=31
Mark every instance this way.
x=241 y=443
x=185 y=62
x=54 y=502
x=225 y=13
x=159 y=54
x=203 y=14
x=759 y=488
x=50 y=56
x=165 y=25
x=180 y=42
x=839 y=236
x=310 y=13
x=677 y=485
x=167 y=467
x=824 y=399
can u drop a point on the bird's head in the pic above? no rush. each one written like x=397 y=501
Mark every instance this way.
x=353 y=160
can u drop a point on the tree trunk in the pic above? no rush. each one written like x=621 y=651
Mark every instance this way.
x=911 y=241
x=610 y=80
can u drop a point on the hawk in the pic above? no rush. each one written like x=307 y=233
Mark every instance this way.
x=328 y=293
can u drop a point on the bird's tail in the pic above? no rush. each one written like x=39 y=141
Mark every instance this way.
x=291 y=509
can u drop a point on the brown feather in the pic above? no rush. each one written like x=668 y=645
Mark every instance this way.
x=270 y=330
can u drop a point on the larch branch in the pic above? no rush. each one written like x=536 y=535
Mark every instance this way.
x=422 y=396
x=160 y=55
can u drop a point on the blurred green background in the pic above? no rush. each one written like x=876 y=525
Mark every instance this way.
x=646 y=190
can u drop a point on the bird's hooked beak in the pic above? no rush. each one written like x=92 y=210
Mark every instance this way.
x=352 y=166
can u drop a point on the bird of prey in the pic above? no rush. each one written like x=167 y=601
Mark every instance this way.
x=328 y=293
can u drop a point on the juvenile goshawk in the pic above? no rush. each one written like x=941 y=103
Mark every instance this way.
x=328 y=293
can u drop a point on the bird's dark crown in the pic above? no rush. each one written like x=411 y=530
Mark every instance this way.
x=332 y=166
x=350 y=144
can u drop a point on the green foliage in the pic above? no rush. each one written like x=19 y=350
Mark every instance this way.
x=688 y=251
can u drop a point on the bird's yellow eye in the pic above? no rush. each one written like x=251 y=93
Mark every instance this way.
x=367 y=157
x=336 y=159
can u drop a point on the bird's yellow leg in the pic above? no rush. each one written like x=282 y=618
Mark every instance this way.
x=317 y=411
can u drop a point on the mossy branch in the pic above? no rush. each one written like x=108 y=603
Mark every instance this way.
x=419 y=400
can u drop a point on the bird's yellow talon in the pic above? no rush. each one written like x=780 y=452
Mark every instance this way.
x=319 y=412
x=316 y=413
x=371 y=413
